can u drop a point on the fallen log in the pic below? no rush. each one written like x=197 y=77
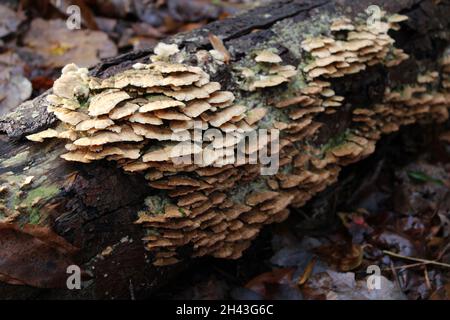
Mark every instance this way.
x=331 y=77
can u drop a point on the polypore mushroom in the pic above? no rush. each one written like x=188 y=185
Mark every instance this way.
x=268 y=57
x=40 y=136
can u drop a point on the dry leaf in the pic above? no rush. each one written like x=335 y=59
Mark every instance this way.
x=59 y=45
x=33 y=255
x=9 y=21
x=14 y=87
x=218 y=45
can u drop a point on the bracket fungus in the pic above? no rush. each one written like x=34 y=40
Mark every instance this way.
x=146 y=118
x=270 y=73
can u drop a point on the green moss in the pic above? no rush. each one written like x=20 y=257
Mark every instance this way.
x=183 y=213
x=275 y=114
x=336 y=141
x=287 y=169
x=152 y=232
x=84 y=103
x=154 y=97
x=42 y=192
x=15 y=201
x=299 y=82
x=239 y=194
x=156 y=204
x=17 y=160
x=289 y=32
x=34 y=216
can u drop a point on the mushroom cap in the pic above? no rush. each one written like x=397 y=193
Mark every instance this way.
x=104 y=137
x=254 y=115
x=40 y=136
x=184 y=148
x=76 y=156
x=72 y=83
x=260 y=197
x=321 y=53
x=159 y=103
x=221 y=97
x=180 y=79
x=165 y=50
x=123 y=110
x=267 y=56
x=268 y=81
x=119 y=151
x=181 y=125
x=96 y=123
x=226 y=115
x=395 y=18
x=196 y=108
x=104 y=102
x=156 y=155
x=71 y=117
x=145 y=118
x=152 y=132
x=168 y=67
x=192 y=92
x=315 y=43
x=68 y=134
x=171 y=114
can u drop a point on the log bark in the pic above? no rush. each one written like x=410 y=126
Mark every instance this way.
x=93 y=207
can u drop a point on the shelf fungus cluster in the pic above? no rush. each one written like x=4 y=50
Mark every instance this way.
x=357 y=47
x=162 y=102
x=426 y=100
x=154 y=119
x=147 y=119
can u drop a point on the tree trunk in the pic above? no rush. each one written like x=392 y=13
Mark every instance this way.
x=85 y=214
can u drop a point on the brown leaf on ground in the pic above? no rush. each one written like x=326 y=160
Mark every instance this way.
x=58 y=45
x=9 y=21
x=34 y=256
x=261 y=284
x=344 y=257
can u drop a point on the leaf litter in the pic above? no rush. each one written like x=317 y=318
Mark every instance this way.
x=35 y=37
x=397 y=219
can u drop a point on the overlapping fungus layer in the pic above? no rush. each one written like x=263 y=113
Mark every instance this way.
x=146 y=118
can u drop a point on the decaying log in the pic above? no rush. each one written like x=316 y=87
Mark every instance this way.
x=57 y=213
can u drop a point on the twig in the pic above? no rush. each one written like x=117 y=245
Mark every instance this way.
x=307 y=273
x=437 y=263
x=443 y=251
x=397 y=279
x=407 y=266
x=427 y=279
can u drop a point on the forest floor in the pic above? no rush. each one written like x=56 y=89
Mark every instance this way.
x=395 y=218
